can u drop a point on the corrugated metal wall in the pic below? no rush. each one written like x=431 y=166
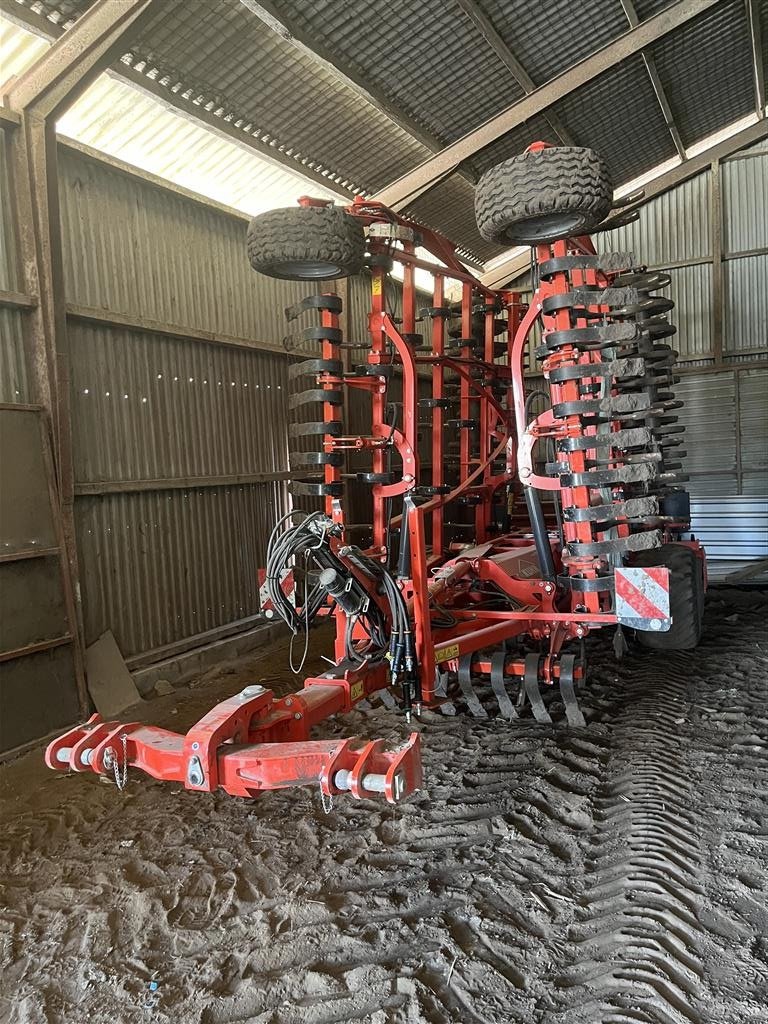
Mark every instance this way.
x=147 y=407
x=180 y=444
x=674 y=227
x=134 y=247
x=677 y=232
x=163 y=565
x=720 y=213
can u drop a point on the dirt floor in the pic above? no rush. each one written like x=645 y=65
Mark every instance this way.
x=600 y=876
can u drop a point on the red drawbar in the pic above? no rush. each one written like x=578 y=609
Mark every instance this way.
x=250 y=743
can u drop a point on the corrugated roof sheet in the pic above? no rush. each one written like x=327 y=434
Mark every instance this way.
x=619 y=116
x=706 y=70
x=451 y=206
x=433 y=64
x=426 y=55
x=117 y=119
x=230 y=59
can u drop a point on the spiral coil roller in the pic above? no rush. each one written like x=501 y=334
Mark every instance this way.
x=611 y=379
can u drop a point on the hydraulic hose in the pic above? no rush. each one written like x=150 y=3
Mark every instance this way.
x=540 y=534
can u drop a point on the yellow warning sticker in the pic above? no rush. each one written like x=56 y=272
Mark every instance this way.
x=356 y=691
x=376 y=286
x=446 y=653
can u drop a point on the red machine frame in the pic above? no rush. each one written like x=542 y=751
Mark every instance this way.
x=256 y=741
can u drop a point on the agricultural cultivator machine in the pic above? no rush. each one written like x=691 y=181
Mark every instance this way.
x=499 y=537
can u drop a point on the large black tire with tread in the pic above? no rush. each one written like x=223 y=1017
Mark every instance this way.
x=306 y=243
x=559 y=192
x=686 y=597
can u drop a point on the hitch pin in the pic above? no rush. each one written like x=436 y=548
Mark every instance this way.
x=64 y=754
x=372 y=783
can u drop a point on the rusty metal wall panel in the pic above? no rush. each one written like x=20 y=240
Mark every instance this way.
x=14 y=385
x=745 y=201
x=745 y=316
x=674 y=226
x=38 y=696
x=26 y=519
x=148 y=407
x=41 y=615
x=38 y=691
x=13 y=367
x=8 y=260
x=165 y=565
x=133 y=247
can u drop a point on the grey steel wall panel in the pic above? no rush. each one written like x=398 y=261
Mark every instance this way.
x=147 y=407
x=722 y=483
x=754 y=483
x=13 y=367
x=753 y=424
x=745 y=203
x=732 y=529
x=674 y=226
x=709 y=415
x=691 y=290
x=164 y=565
x=8 y=262
x=745 y=316
x=132 y=247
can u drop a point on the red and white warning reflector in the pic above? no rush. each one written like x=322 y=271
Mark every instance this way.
x=642 y=598
x=288 y=584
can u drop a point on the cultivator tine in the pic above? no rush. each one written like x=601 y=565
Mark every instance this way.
x=567 y=692
x=446 y=707
x=506 y=706
x=441 y=683
x=465 y=682
x=532 y=691
x=387 y=699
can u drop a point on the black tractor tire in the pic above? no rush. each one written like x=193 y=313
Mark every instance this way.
x=560 y=192
x=686 y=597
x=306 y=243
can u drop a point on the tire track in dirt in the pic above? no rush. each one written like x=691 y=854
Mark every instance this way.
x=675 y=905
x=641 y=905
x=448 y=908
x=730 y=757
x=614 y=874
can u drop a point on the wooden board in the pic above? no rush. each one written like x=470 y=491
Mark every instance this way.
x=109 y=681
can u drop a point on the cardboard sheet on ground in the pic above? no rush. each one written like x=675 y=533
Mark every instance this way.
x=109 y=681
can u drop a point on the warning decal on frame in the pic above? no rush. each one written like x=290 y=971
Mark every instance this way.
x=446 y=653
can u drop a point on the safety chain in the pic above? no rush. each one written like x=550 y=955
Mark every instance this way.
x=327 y=801
x=110 y=760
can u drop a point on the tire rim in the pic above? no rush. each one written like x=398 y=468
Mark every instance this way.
x=547 y=227
x=310 y=270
